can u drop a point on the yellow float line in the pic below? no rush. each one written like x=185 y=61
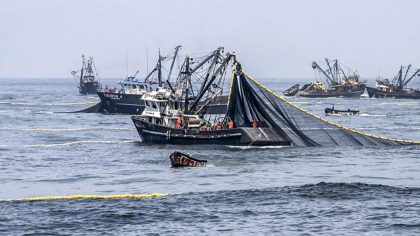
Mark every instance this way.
x=326 y=121
x=113 y=196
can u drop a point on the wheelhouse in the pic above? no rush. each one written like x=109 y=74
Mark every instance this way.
x=133 y=87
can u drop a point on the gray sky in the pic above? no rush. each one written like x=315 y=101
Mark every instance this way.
x=45 y=38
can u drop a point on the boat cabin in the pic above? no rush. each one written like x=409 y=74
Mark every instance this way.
x=384 y=85
x=88 y=79
x=133 y=87
x=156 y=104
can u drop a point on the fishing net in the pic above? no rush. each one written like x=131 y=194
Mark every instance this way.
x=250 y=101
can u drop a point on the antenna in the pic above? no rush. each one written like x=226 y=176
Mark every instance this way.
x=126 y=63
x=147 y=60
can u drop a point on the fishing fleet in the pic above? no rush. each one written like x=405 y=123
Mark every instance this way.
x=211 y=100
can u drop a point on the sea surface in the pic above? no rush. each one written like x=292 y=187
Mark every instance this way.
x=265 y=191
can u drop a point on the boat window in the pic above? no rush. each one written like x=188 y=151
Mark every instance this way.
x=134 y=86
x=141 y=87
x=147 y=103
x=154 y=105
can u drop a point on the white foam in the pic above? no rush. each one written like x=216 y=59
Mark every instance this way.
x=373 y=115
x=255 y=147
x=75 y=143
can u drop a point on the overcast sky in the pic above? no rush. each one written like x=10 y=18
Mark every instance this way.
x=45 y=38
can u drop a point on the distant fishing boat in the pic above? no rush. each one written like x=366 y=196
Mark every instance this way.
x=88 y=78
x=128 y=98
x=336 y=112
x=398 y=87
x=334 y=83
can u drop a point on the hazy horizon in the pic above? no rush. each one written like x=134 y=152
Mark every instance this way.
x=272 y=39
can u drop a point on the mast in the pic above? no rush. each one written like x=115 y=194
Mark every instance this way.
x=210 y=82
x=185 y=82
x=316 y=66
x=159 y=69
x=331 y=72
x=405 y=76
x=83 y=68
x=399 y=80
x=411 y=77
x=173 y=62
x=186 y=73
x=213 y=63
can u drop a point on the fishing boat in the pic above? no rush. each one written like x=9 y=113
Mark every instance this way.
x=334 y=82
x=398 y=87
x=128 y=98
x=172 y=118
x=335 y=112
x=88 y=78
x=179 y=159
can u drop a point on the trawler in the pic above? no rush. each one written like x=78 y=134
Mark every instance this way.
x=88 y=78
x=171 y=117
x=128 y=98
x=334 y=82
x=398 y=87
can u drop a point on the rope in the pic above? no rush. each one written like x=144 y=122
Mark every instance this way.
x=329 y=122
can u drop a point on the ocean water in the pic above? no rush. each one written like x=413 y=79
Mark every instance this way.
x=270 y=191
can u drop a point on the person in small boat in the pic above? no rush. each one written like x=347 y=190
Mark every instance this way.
x=218 y=126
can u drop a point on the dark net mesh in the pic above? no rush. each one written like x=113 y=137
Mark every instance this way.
x=251 y=102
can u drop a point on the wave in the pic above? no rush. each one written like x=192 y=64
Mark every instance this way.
x=76 y=143
x=324 y=190
x=15 y=103
x=63 y=129
x=255 y=147
x=69 y=103
x=371 y=115
x=47 y=104
x=399 y=103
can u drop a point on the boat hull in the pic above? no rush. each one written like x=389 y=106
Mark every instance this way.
x=292 y=91
x=153 y=133
x=122 y=103
x=376 y=93
x=346 y=94
x=179 y=159
x=333 y=112
x=89 y=87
